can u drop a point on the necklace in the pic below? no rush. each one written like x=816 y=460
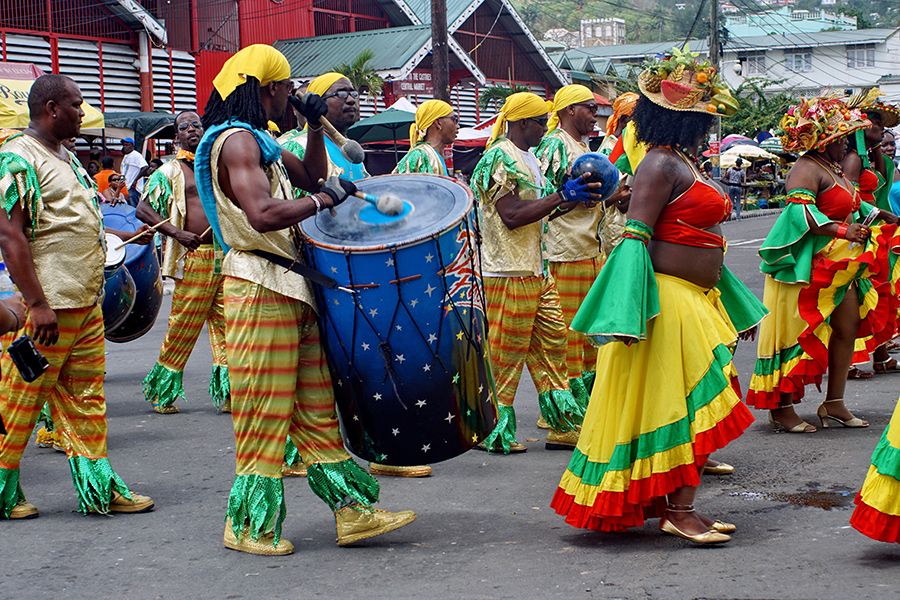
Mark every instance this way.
x=829 y=164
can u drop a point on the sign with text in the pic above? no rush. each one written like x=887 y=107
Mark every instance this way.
x=418 y=82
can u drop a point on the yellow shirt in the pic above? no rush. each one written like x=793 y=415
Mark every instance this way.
x=66 y=235
x=509 y=252
x=572 y=236
x=242 y=238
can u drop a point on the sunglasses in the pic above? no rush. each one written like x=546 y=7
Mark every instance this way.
x=591 y=107
x=542 y=121
x=183 y=126
x=342 y=94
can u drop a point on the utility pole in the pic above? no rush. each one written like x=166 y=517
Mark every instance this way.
x=440 y=56
x=716 y=61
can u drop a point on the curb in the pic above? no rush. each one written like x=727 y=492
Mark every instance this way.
x=762 y=212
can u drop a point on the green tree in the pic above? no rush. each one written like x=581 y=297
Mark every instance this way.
x=494 y=97
x=759 y=111
x=363 y=77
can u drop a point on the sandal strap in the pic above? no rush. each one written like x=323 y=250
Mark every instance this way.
x=680 y=508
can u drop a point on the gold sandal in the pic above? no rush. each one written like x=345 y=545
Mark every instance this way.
x=824 y=417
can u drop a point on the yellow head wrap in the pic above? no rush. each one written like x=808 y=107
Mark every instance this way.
x=567 y=96
x=519 y=106
x=320 y=84
x=259 y=60
x=623 y=106
x=427 y=113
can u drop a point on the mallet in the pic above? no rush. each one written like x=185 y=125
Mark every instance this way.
x=351 y=149
x=139 y=234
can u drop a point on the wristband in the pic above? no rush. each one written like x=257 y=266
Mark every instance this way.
x=311 y=128
x=318 y=204
x=841 y=231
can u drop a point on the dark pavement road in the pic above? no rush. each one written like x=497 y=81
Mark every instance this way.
x=484 y=529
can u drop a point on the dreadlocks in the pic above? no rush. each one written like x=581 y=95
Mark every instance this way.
x=242 y=104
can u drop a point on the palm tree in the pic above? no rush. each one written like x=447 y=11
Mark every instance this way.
x=495 y=96
x=363 y=77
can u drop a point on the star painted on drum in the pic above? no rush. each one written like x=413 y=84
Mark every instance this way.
x=474 y=438
x=426 y=447
x=478 y=338
x=426 y=367
x=382 y=458
x=395 y=432
x=429 y=257
x=456 y=378
x=414 y=302
x=340 y=382
x=334 y=269
x=398 y=327
x=430 y=290
x=356 y=417
x=376 y=396
x=432 y=338
x=365 y=346
x=389 y=262
x=449 y=418
x=400 y=359
x=468 y=412
x=421 y=403
x=465 y=311
x=480 y=388
x=336 y=303
x=459 y=336
x=448 y=307
x=373 y=312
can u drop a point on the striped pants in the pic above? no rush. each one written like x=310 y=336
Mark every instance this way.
x=280 y=383
x=198 y=298
x=574 y=280
x=72 y=386
x=526 y=328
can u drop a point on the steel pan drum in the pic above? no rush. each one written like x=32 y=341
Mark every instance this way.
x=143 y=266
x=118 y=287
x=407 y=349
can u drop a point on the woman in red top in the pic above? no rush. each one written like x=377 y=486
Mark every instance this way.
x=666 y=313
x=827 y=270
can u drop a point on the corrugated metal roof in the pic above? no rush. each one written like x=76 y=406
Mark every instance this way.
x=393 y=48
x=762 y=42
x=422 y=8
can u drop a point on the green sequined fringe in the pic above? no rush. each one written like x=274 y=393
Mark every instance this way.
x=219 y=385
x=342 y=484
x=579 y=392
x=163 y=385
x=504 y=432
x=257 y=502
x=588 y=378
x=560 y=409
x=45 y=417
x=291 y=454
x=95 y=481
x=10 y=491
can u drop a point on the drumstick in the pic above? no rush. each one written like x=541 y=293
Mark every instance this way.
x=139 y=234
x=185 y=253
x=388 y=204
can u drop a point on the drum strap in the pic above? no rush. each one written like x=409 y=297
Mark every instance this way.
x=300 y=269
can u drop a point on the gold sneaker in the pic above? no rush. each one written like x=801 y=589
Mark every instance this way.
x=165 y=410
x=137 y=504
x=226 y=405
x=561 y=441
x=23 y=510
x=542 y=423
x=355 y=524
x=298 y=469
x=264 y=546
x=392 y=471
x=714 y=467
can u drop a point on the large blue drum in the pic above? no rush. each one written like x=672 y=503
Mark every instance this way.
x=118 y=287
x=143 y=266
x=407 y=346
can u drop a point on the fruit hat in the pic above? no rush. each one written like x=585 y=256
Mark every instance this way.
x=813 y=124
x=890 y=113
x=678 y=81
x=867 y=101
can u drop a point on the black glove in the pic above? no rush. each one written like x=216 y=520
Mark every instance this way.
x=338 y=189
x=311 y=106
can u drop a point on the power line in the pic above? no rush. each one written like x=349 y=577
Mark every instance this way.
x=694 y=24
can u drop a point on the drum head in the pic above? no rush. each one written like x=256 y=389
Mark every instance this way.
x=439 y=203
x=115 y=251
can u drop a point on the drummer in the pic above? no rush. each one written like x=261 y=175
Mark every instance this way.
x=279 y=376
x=573 y=249
x=192 y=261
x=524 y=314
x=342 y=100
x=57 y=264
x=434 y=129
